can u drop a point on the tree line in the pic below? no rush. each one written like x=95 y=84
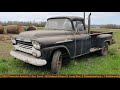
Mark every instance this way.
x=42 y=24
x=110 y=26
x=37 y=24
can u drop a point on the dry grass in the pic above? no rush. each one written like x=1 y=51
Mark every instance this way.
x=5 y=45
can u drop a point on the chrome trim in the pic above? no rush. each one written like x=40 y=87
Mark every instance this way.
x=64 y=41
x=28 y=58
x=26 y=49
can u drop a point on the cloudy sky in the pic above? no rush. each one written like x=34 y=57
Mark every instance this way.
x=97 y=17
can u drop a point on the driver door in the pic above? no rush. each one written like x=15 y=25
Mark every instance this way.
x=82 y=38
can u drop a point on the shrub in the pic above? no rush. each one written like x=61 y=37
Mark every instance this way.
x=111 y=26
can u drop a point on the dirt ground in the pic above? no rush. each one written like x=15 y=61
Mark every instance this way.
x=5 y=45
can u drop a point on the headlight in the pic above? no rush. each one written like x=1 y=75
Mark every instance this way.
x=13 y=40
x=36 y=45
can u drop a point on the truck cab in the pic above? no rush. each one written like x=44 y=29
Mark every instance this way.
x=64 y=36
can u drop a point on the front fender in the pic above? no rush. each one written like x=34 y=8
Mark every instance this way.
x=47 y=52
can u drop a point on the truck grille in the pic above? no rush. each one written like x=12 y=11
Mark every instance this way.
x=26 y=45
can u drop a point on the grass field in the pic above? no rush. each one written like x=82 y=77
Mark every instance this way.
x=87 y=64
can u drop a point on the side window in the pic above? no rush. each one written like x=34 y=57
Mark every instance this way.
x=80 y=26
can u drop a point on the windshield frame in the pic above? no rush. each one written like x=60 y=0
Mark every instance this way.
x=64 y=18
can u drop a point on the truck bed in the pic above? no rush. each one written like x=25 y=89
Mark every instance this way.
x=99 y=32
x=94 y=34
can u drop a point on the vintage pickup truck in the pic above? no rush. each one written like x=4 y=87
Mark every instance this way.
x=65 y=36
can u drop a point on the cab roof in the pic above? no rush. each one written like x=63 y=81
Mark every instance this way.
x=67 y=17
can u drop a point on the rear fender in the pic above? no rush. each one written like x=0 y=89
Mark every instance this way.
x=101 y=39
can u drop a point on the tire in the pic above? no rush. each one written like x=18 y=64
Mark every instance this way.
x=104 y=50
x=56 y=62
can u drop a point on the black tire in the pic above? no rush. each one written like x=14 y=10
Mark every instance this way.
x=56 y=62
x=104 y=50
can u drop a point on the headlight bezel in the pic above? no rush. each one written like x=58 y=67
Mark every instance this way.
x=13 y=40
x=36 y=45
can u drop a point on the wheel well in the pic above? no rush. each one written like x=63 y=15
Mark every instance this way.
x=64 y=51
x=108 y=42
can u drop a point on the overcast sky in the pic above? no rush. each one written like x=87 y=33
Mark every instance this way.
x=96 y=18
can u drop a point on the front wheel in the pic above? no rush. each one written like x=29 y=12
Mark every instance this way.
x=104 y=50
x=56 y=62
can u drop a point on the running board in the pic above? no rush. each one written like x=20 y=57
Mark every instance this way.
x=94 y=49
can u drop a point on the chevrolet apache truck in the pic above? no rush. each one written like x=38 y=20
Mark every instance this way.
x=64 y=36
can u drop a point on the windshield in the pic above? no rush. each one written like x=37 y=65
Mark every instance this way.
x=57 y=24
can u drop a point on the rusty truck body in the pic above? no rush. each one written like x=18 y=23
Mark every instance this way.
x=64 y=36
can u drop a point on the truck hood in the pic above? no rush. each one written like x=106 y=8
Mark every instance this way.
x=46 y=36
x=42 y=33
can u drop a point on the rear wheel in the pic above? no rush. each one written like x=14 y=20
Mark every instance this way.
x=104 y=50
x=56 y=62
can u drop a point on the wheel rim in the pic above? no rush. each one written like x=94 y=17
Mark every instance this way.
x=105 y=49
x=59 y=62
x=56 y=63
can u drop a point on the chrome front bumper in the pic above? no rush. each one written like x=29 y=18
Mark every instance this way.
x=28 y=58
